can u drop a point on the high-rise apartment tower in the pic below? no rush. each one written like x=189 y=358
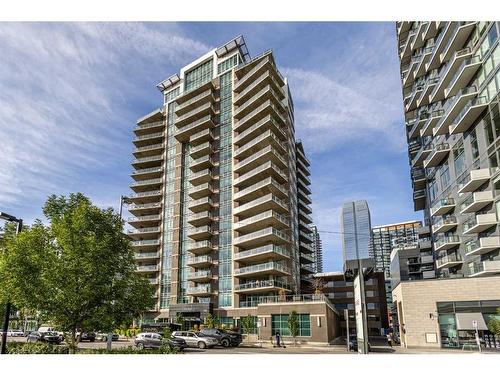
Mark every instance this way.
x=221 y=189
x=451 y=78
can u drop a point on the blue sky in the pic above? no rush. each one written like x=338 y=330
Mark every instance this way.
x=70 y=94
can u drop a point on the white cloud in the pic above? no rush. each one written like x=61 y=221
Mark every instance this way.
x=65 y=88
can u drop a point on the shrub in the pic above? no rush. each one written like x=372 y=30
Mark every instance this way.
x=36 y=348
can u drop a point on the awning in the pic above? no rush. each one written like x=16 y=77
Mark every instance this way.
x=162 y=315
x=465 y=321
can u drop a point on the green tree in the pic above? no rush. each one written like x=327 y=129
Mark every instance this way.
x=248 y=324
x=78 y=271
x=293 y=325
x=209 y=321
x=179 y=319
x=494 y=324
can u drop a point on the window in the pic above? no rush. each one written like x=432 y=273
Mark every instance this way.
x=473 y=144
x=459 y=156
x=445 y=176
x=488 y=130
x=279 y=323
x=432 y=190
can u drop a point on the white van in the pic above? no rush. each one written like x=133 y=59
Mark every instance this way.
x=45 y=329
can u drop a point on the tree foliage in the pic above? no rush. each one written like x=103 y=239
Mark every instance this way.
x=209 y=321
x=494 y=324
x=248 y=324
x=78 y=271
x=293 y=325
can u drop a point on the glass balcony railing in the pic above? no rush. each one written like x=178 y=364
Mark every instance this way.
x=143 y=218
x=200 y=244
x=149 y=158
x=143 y=230
x=194 y=99
x=259 y=185
x=445 y=220
x=199 y=259
x=265 y=215
x=262 y=233
x=149 y=125
x=145 y=243
x=148 y=136
x=152 y=268
x=154 y=254
x=133 y=207
x=449 y=258
x=147 y=170
x=447 y=240
x=263 y=284
x=261 y=268
x=145 y=194
x=282 y=250
x=152 y=181
x=199 y=289
x=443 y=203
x=199 y=274
x=149 y=147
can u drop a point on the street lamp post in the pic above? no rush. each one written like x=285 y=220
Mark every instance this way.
x=5 y=327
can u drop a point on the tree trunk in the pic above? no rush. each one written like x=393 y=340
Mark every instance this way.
x=72 y=345
x=110 y=340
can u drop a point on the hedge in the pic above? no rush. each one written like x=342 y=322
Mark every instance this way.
x=44 y=348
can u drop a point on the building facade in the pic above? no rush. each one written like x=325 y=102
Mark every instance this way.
x=441 y=312
x=220 y=203
x=318 y=250
x=356 y=231
x=450 y=74
x=340 y=292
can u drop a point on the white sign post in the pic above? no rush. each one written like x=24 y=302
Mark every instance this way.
x=478 y=342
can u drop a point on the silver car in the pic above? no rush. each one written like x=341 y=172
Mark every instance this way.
x=196 y=339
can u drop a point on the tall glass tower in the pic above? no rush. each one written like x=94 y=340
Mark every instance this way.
x=356 y=234
x=221 y=189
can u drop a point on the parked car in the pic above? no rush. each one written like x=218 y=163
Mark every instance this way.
x=104 y=336
x=44 y=329
x=48 y=337
x=225 y=338
x=15 y=333
x=85 y=336
x=148 y=340
x=196 y=339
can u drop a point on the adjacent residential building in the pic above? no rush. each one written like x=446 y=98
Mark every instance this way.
x=357 y=242
x=221 y=191
x=340 y=292
x=450 y=74
x=318 y=250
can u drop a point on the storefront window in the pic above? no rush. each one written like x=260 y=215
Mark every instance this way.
x=279 y=323
x=447 y=327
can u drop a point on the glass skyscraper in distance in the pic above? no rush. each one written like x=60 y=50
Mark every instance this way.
x=356 y=234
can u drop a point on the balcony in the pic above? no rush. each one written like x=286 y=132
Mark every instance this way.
x=306 y=269
x=205 y=135
x=248 y=77
x=440 y=45
x=204 y=123
x=200 y=276
x=474 y=180
x=148 y=150
x=449 y=260
x=261 y=221
x=200 y=290
x=147 y=255
x=267 y=202
x=204 y=98
x=468 y=115
x=418 y=178
x=148 y=127
x=262 y=237
x=201 y=150
x=190 y=94
x=487 y=267
x=263 y=253
x=406 y=50
x=144 y=232
x=146 y=196
x=482 y=245
x=444 y=224
x=418 y=42
x=430 y=84
x=147 y=173
x=144 y=220
x=262 y=286
x=476 y=201
x=463 y=75
x=200 y=218
x=442 y=206
x=447 y=75
x=305 y=248
x=439 y=152
x=199 y=261
x=195 y=114
x=257 y=129
x=200 y=233
x=200 y=177
x=417 y=125
x=201 y=163
x=153 y=280
x=460 y=33
x=426 y=55
x=200 y=191
x=268 y=169
x=422 y=154
x=446 y=242
x=433 y=119
x=267 y=94
x=200 y=247
x=265 y=80
x=148 y=139
x=150 y=184
x=303 y=187
x=480 y=223
x=147 y=269
x=269 y=268
x=144 y=244
x=148 y=161
x=304 y=197
x=264 y=155
x=305 y=237
x=268 y=138
x=431 y=30
x=267 y=108
x=144 y=209
x=452 y=109
x=305 y=216
x=306 y=258
x=202 y=204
